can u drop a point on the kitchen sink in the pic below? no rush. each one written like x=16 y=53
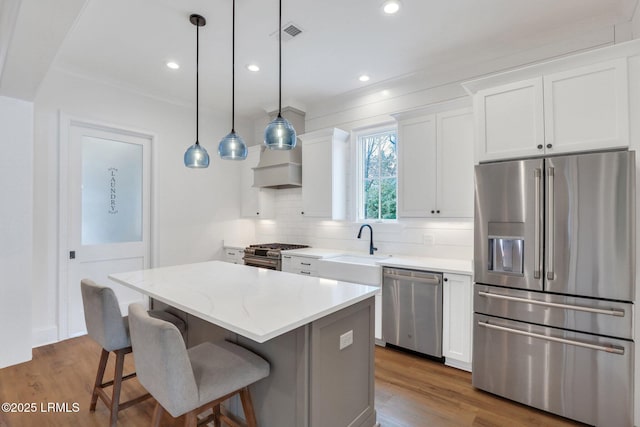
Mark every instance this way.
x=352 y=268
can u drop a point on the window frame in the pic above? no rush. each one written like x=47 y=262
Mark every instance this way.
x=358 y=179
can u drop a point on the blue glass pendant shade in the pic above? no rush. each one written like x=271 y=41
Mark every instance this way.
x=196 y=157
x=280 y=134
x=232 y=147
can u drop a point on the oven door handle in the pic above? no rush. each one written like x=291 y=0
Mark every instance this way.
x=605 y=348
x=259 y=262
x=608 y=311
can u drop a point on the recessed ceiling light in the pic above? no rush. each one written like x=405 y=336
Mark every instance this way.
x=364 y=78
x=391 y=6
x=253 y=67
x=173 y=65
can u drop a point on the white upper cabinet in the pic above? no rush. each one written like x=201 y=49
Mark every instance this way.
x=255 y=202
x=324 y=182
x=435 y=164
x=581 y=109
x=587 y=108
x=510 y=120
x=454 y=192
x=417 y=166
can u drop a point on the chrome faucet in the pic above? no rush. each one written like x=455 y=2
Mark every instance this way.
x=371 y=248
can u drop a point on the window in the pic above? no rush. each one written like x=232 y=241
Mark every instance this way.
x=378 y=176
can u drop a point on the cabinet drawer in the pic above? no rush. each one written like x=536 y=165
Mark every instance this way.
x=295 y=263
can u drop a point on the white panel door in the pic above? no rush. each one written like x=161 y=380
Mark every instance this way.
x=587 y=108
x=417 y=167
x=457 y=325
x=454 y=194
x=510 y=121
x=108 y=223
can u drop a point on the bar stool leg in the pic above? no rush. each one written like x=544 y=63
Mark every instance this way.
x=247 y=406
x=157 y=415
x=117 y=386
x=104 y=357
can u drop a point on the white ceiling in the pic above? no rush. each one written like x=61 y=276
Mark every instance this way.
x=127 y=42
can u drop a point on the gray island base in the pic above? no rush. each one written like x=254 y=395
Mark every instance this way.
x=312 y=382
x=317 y=334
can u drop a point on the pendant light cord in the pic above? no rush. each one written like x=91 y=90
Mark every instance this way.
x=280 y=61
x=233 y=68
x=197 y=82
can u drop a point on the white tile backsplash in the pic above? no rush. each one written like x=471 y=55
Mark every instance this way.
x=416 y=237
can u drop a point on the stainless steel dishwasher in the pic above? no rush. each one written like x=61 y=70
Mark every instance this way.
x=412 y=310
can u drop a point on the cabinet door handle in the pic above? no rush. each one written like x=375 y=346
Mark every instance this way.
x=257 y=213
x=437 y=211
x=305 y=272
x=305 y=263
x=302 y=212
x=433 y=212
x=446 y=279
x=540 y=146
x=549 y=145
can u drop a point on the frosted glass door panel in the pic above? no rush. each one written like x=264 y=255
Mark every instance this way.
x=111 y=191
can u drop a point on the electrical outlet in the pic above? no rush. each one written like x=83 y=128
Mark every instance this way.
x=346 y=339
x=428 y=239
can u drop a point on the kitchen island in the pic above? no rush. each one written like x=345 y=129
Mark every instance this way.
x=317 y=335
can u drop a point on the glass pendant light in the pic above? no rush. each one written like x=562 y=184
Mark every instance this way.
x=232 y=146
x=196 y=156
x=280 y=134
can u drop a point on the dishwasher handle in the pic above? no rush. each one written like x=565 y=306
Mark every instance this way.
x=430 y=279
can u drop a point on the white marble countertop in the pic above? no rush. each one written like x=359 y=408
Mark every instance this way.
x=253 y=302
x=444 y=265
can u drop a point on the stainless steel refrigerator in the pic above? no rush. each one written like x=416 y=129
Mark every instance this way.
x=554 y=266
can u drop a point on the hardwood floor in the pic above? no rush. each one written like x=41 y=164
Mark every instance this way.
x=410 y=392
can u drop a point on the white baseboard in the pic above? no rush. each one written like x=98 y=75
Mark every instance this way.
x=44 y=336
x=458 y=365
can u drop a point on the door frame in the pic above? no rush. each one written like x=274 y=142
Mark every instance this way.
x=65 y=122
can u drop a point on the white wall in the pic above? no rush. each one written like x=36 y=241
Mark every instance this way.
x=16 y=229
x=635 y=22
x=193 y=210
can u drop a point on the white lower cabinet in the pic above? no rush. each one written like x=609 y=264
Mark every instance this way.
x=305 y=266
x=233 y=255
x=457 y=324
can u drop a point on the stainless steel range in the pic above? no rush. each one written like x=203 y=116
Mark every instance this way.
x=268 y=255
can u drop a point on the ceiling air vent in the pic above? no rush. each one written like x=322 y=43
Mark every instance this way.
x=289 y=31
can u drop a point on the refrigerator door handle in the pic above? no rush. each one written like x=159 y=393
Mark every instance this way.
x=536 y=240
x=608 y=349
x=610 y=311
x=551 y=225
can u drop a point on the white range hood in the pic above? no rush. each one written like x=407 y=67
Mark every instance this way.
x=281 y=168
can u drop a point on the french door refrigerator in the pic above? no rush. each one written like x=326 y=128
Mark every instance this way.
x=554 y=265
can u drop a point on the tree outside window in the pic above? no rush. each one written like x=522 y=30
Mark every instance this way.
x=379 y=175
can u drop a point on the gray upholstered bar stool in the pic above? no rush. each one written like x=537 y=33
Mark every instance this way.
x=191 y=381
x=108 y=328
